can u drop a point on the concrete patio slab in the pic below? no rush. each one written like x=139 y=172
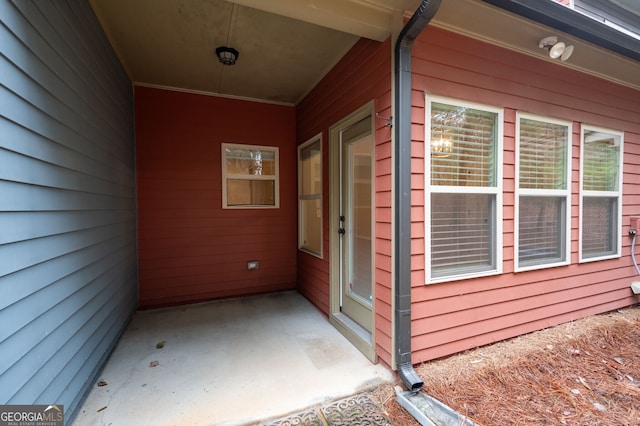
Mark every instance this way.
x=230 y=362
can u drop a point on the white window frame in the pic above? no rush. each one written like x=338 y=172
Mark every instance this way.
x=556 y=193
x=605 y=194
x=226 y=176
x=301 y=198
x=434 y=189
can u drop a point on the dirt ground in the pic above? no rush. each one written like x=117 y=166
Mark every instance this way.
x=586 y=372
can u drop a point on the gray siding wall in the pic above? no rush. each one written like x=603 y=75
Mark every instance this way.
x=68 y=258
x=604 y=11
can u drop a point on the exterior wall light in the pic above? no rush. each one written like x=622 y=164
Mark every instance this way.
x=555 y=48
x=227 y=55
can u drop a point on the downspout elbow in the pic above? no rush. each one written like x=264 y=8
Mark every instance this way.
x=402 y=197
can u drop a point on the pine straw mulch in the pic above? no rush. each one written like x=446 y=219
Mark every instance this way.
x=586 y=372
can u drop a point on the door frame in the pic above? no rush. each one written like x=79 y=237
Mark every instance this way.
x=356 y=334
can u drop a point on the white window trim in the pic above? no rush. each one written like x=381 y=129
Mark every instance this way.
x=618 y=194
x=301 y=247
x=497 y=191
x=533 y=192
x=226 y=175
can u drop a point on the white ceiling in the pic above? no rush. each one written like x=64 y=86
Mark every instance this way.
x=287 y=46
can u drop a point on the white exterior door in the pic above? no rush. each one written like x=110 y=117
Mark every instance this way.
x=355 y=231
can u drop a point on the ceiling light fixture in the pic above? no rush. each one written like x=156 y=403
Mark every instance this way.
x=555 y=48
x=441 y=147
x=227 y=55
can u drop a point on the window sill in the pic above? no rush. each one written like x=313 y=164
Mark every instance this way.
x=459 y=277
x=596 y=259
x=541 y=266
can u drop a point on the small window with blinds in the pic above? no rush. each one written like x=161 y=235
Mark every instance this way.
x=542 y=203
x=310 y=196
x=463 y=178
x=600 y=193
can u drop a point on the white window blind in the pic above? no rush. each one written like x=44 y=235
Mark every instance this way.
x=541 y=230
x=462 y=239
x=463 y=148
x=601 y=195
x=542 y=193
x=599 y=230
x=463 y=178
x=600 y=163
x=310 y=196
x=543 y=154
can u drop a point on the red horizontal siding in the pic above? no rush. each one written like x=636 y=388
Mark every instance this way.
x=454 y=316
x=190 y=249
x=362 y=75
x=313 y=280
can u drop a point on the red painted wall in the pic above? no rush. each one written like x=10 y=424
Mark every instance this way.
x=362 y=75
x=190 y=249
x=454 y=316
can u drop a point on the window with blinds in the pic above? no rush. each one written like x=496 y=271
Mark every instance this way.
x=599 y=230
x=601 y=193
x=463 y=148
x=310 y=196
x=542 y=192
x=462 y=239
x=464 y=162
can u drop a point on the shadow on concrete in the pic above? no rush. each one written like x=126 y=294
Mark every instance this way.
x=234 y=361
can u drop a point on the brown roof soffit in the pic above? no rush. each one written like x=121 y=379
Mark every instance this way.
x=562 y=18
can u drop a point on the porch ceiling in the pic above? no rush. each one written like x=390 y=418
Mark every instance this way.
x=287 y=46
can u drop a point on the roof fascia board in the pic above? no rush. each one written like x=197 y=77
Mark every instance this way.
x=562 y=18
x=357 y=17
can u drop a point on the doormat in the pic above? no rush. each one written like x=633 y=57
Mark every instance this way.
x=355 y=410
